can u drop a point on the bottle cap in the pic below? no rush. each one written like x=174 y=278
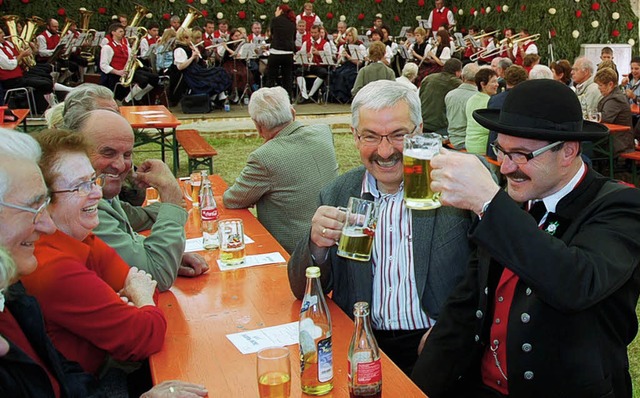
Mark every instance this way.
x=361 y=308
x=312 y=272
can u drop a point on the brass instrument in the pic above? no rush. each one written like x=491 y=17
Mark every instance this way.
x=85 y=17
x=192 y=15
x=140 y=12
x=67 y=24
x=504 y=44
x=524 y=39
x=133 y=63
x=18 y=41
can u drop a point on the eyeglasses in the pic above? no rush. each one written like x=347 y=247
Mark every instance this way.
x=84 y=188
x=37 y=213
x=395 y=138
x=521 y=157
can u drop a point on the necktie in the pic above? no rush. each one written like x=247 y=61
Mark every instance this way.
x=538 y=210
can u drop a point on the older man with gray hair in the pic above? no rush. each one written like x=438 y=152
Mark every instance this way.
x=283 y=177
x=417 y=256
x=456 y=104
x=582 y=74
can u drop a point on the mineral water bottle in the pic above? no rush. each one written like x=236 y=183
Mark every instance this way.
x=585 y=108
x=209 y=216
x=227 y=105
x=365 y=368
x=316 y=354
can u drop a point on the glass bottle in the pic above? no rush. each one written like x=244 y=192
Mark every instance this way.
x=365 y=367
x=208 y=215
x=316 y=354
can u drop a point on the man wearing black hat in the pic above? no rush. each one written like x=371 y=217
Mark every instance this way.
x=547 y=307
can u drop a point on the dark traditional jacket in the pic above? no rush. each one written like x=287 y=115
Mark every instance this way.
x=573 y=310
x=20 y=376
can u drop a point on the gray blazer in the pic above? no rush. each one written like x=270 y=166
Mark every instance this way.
x=283 y=177
x=440 y=250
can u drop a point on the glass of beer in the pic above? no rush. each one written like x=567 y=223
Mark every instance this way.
x=153 y=195
x=192 y=188
x=359 y=228
x=417 y=154
x=274 y=372
x=231 y=236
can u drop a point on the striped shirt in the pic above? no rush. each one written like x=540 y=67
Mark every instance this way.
x=396 y=304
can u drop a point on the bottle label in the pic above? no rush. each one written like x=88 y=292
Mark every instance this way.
x=369 y=372
x=325 y=360
x=209 y=214
x=308 y=302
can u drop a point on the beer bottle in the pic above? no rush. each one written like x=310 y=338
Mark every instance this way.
x=316 y=355
x=365 y=368
x=209 y=215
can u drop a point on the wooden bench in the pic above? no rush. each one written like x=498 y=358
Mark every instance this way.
x=199 y=151
x=635 y=158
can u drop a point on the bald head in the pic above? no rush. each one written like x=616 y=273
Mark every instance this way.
x=111 y=140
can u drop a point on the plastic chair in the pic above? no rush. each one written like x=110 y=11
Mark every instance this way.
x=28 y=92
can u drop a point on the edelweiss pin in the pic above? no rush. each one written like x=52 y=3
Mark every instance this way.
x=552 y=228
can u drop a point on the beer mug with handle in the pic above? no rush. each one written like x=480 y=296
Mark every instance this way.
x=191 y=187
x=358 y=230
x=418 y=151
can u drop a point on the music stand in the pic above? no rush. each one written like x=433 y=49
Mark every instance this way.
x=403 y=31
x=404 y=53
x=247 y=52
x=97 y=39
x=423 y=23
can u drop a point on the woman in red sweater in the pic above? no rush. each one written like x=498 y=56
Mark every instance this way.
x=95 y=306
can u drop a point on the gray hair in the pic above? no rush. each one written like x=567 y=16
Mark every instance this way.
x=174 y=18
x=585 y=64
x=410 y=70
x=82 y=100
x=469 y=72
x=269 y=107
x=8 y=269
x=16 y=145
x=383 y=94
x=540 y=72
x=504 y=63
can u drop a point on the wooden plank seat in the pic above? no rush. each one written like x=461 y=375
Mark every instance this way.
x=199 y=151
x=635 y=158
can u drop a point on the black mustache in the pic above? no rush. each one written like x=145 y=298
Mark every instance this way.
x=518 y=174
x=394 y=156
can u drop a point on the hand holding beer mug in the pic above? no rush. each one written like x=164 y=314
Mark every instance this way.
x=231 y=236
x=359 y=228
x=153 y=195
x=191 y=188
x=274 y=372
x=418 y=151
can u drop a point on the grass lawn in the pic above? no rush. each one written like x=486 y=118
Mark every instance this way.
x=232 y=155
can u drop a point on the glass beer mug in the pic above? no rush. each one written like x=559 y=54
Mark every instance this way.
x=191 y=187
x=418 y=150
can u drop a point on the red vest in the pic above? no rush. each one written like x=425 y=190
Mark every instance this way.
x=152 y=40
x=208 y=40
x=52 y=42
x=318 y=46
x=439 y=18
x=11 y=53
x=217 y=34
x=309 y=19
x=120 y=53
x=520 y=54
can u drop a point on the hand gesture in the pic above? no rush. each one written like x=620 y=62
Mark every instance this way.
x=192 y=265
x=176 y=389
x=326 y=226
x=139 y=288
x=155 y=173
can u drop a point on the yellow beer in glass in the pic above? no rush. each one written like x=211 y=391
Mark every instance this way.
x=231 y=237
x=358 y=230
x=274 y=372
x=418 y=151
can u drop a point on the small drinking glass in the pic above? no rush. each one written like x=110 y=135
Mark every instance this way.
x=595 y=116
x=231 y=237
x=358 y=230
x=153 y=195
x=274 y=372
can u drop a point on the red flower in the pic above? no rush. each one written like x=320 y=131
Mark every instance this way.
x=578 y=13
x=25 y=1
x=189 y=1
x=498 y=8
x=205 y=13
x=378 y=1
x=396 y=18
x=595 y=6
x=223 y=1
x=310 y=1
x=523 y=7
x=482 y=11
x=552 y=32
x=613 y=1
x=361 y=16
x=242 y=14
x=455 y=9
x=472 y=11
x=61 y=11
x=421 y=3
x=329 y=15
x=261 y=1
x=629 y=25
x=102 y=10
x=615 y=33
x=166 y=16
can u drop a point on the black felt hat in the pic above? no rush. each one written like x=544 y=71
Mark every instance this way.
x=541 y=110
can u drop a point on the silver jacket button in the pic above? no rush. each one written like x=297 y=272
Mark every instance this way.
x=528 y=375
x=528 y=291
x=479 y=314
x=525 y=318
x=526 y=347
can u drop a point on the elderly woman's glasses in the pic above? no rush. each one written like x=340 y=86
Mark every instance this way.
x=84 y=188
x=521 y=157
x=37 y=213
x=372 y=139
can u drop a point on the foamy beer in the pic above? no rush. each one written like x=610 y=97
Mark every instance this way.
x=418 y=151
x=231 y=236
x=358 y=230
x=192 y=188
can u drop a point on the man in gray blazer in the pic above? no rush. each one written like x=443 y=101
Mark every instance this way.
x=417 y=257
x=284 y=176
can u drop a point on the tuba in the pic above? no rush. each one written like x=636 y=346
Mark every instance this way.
x=18 y=41
x=140 y=12
x=85 y=17
x=67 y=24
x=133 y=63
x=192 y=15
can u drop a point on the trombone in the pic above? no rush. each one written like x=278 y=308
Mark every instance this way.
x=508 y=43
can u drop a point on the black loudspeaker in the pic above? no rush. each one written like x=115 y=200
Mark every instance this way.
x=196 y=103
